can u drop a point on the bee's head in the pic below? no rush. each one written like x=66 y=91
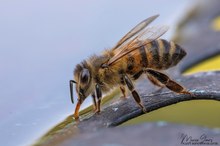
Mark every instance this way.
x=84 y=84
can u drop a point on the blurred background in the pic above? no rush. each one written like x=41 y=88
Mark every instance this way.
x=42 y=41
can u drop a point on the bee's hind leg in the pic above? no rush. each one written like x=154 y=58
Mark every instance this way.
x=155 y=81
x=134 y=92
x=166 y=81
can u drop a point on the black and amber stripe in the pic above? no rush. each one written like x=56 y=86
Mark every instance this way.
x=178 y=54
x=163 y=53
x=144 y=58
x=153 y=54
x=158 y=54
x=169 y=53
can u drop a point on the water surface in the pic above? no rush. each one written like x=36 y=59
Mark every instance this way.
x=42 y=41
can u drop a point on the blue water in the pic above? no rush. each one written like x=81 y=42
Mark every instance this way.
x=41 y=42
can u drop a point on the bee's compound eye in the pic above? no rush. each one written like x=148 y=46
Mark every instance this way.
x=85 y=75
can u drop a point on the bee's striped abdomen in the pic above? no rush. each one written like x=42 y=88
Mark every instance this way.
x=144 y=57
x=163 y=54
x=158 y=54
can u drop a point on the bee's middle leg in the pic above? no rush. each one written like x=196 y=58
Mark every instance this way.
x=122 y=88
x=134 y=92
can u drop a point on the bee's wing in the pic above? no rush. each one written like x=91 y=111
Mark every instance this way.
x=133 y=32
x=148 y=35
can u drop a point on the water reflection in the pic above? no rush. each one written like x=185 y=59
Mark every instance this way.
x=41 y=42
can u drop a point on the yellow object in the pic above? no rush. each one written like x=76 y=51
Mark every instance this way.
x=194 y=112
x=216 y=24
x=207 y=65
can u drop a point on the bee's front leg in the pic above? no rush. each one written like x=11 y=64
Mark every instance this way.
x=94 y=101
x=134 y=92
x=99 y=97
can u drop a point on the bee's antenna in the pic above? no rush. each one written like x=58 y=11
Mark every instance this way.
x=71 y=90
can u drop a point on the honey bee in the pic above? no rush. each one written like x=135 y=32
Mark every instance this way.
x=138 y=52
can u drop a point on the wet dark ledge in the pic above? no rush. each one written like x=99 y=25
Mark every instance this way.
x=153 y=134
